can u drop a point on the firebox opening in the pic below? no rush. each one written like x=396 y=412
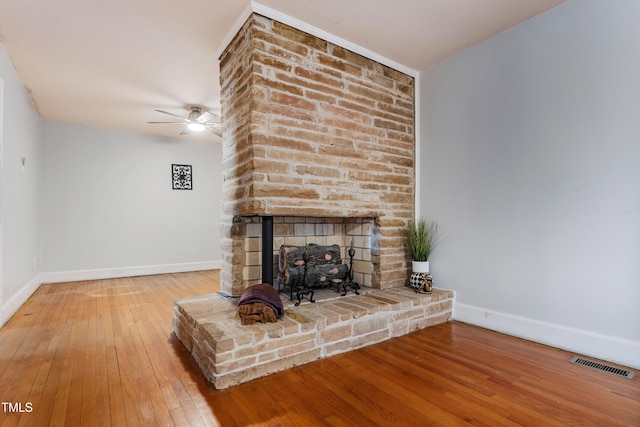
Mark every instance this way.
x=260 y=238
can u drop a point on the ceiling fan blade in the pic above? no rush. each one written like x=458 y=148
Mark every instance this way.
x=167 y=123
x=206 y=117
x=214 y=124
x=214 y=129
x=185 y=132
x=171 y=114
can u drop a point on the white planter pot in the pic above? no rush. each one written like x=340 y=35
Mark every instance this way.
x=420 y=266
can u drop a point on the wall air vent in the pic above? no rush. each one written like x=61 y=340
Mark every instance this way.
x=602 y=367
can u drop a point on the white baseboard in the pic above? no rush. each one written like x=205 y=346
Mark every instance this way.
x=10 y=307
x=616 y=350
x=114 y=273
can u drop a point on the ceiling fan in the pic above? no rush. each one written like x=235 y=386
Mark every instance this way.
x=196 y=121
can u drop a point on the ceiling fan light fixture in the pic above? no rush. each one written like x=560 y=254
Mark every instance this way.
x=196 y=127
x=196 y=121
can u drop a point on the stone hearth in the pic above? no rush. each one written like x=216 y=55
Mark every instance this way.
x=229 y=353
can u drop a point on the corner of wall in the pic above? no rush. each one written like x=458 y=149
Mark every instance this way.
x=10 y=307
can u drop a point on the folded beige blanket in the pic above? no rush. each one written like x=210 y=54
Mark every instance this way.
x=256 y=312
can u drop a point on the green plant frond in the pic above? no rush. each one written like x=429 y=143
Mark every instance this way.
x=422 y=237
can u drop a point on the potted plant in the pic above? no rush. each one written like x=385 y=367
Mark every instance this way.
x=422 y=237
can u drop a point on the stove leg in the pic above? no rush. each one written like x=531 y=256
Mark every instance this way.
x=302 y=292
x=353 y=285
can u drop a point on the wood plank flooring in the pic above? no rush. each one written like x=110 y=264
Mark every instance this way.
x=102 y=353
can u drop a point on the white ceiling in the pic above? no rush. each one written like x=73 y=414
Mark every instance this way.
x=111 y=63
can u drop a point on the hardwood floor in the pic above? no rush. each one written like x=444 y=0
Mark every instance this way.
x=102 y=353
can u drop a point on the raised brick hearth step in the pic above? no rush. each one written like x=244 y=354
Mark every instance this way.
x=229 y=353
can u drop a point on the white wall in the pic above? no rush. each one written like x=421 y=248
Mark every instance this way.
x=530 y=163
x=91 y=203
x=19 y=192
x=109 y=209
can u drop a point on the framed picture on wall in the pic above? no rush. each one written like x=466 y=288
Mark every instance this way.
x=182 y=177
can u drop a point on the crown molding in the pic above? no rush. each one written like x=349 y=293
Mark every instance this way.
x=255 y=7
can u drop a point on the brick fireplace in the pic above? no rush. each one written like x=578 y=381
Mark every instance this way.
x=321 y=139
x=318 y=147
